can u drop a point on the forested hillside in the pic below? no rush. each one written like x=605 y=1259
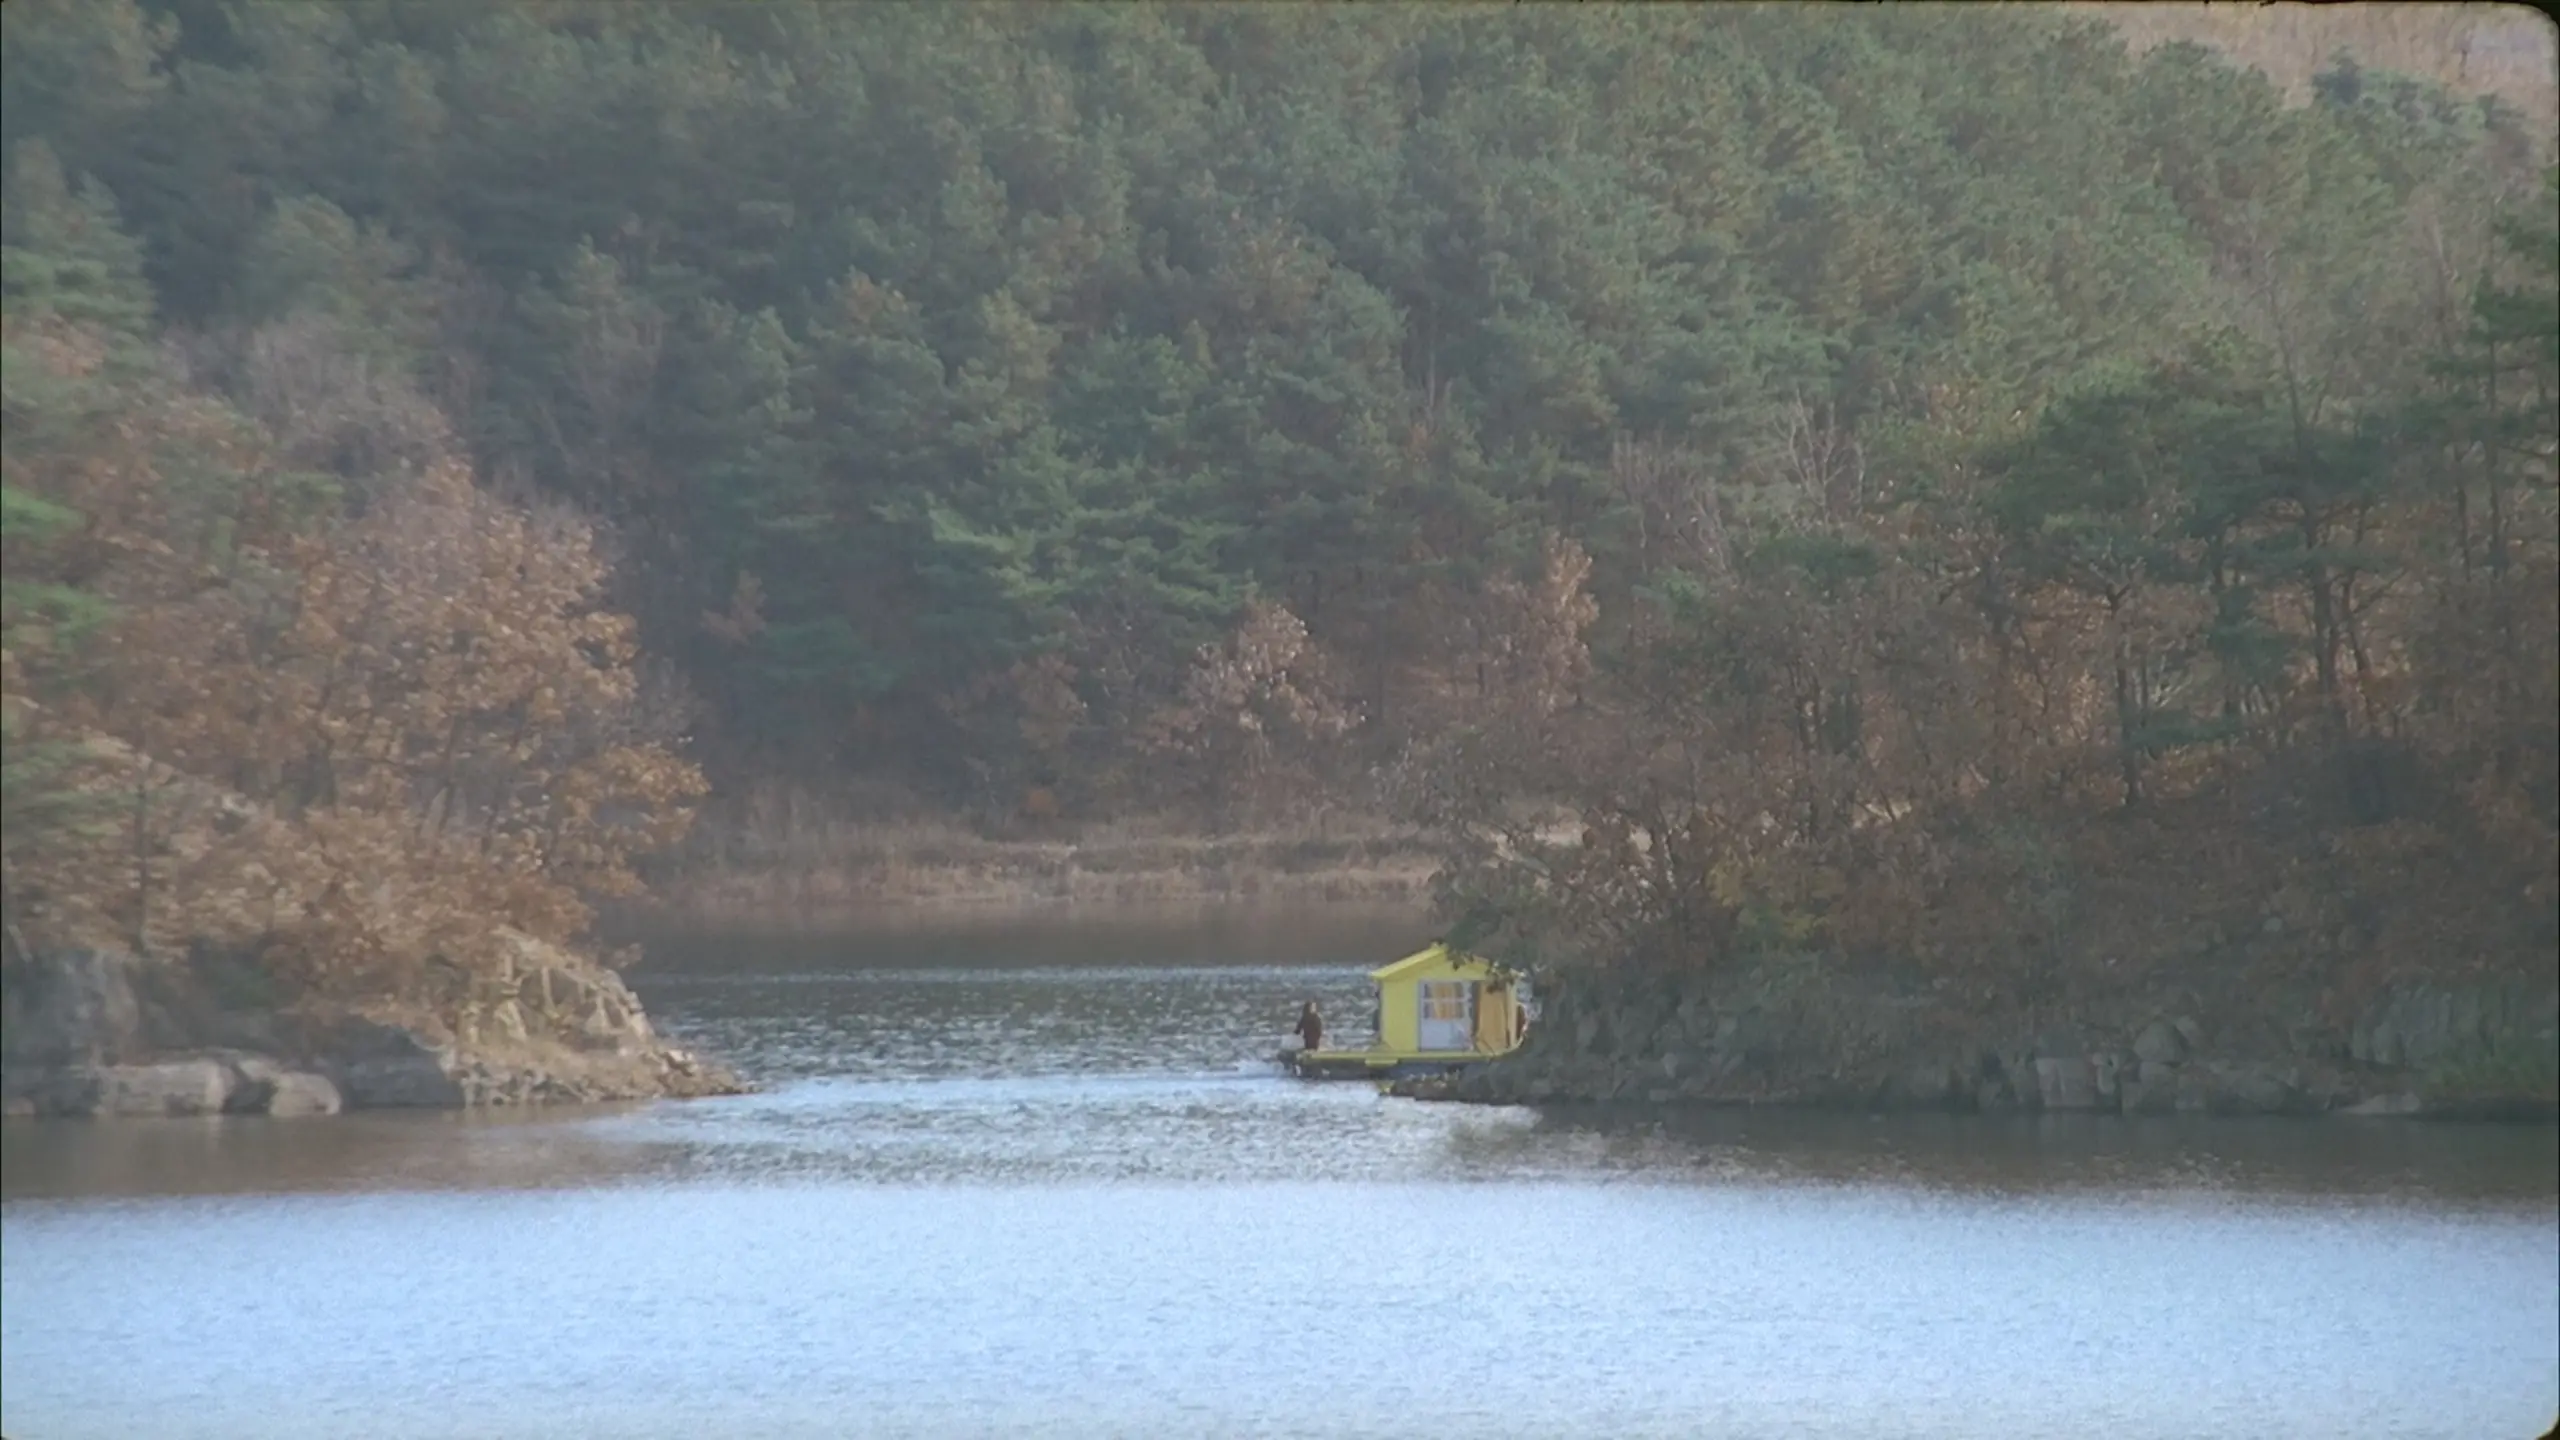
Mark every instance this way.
x=1738 y=475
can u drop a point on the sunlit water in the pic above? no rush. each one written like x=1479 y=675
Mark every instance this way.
x=1044 y=1199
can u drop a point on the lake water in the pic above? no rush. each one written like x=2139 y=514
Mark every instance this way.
x=1021 y=1187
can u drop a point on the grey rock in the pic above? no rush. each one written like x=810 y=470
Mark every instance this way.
x=263 y=1086
x=1632 y=1030
x=104 y=1034
x=2061 y=1042
x=2422 y=1026
x=2322 y=1087
x=50 y=1090
x=2467 y=1020
x=1586 y=1034
x=603 y=1029
x=571 y=992
x=2147 y=1097
x=299 y=1092
x=2160 y=1044
x=2375 y=1042
x=1932 y=1085
x=2240 y=1089
x=385 y=1067
x=2409 y=1028
x=243 y=1030
x=353 y=1038
x=77 y=1007
x=2195 y=1090
x=550 y=993
x=170 y=1088
x=2321 y=1043
x=253 y=1082
x=2107 y=1072
x=2189 y=1031
x=1749 y=1039
x=2065 y=1085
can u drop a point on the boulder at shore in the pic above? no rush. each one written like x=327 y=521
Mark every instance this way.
x=103 y=1034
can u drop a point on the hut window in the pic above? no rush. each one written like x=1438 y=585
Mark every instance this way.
x=1444 y=1016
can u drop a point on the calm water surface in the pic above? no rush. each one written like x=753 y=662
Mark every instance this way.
x=1026 y=1190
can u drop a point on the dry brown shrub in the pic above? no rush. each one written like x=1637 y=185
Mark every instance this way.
x=361 y=742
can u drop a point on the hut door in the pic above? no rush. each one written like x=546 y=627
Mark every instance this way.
x=1447 y=1007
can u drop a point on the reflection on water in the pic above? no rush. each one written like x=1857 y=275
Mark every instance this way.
x=1075 y=1199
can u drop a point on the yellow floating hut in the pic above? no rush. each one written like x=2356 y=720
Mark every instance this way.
x=1437 y=1008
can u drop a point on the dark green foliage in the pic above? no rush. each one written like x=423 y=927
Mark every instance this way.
x=901 y=345
x=66 y=254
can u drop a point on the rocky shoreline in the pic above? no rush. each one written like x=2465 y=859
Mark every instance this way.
x=1799 y=1032
x=101 y=1034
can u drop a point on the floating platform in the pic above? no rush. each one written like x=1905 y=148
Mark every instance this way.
x=1370 y=1064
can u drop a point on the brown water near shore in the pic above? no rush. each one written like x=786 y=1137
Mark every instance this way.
x=858 y=876
x=1196 y=932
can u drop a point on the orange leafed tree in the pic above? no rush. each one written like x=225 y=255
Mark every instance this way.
x=358 y=741
x=1250 y=708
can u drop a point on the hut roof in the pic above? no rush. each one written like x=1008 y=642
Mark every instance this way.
x=1437 y=956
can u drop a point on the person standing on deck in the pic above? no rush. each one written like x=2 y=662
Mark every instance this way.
x=1311 y=1027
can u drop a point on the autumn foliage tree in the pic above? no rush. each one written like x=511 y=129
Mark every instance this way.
x=357 y=737
x=1250 y=711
